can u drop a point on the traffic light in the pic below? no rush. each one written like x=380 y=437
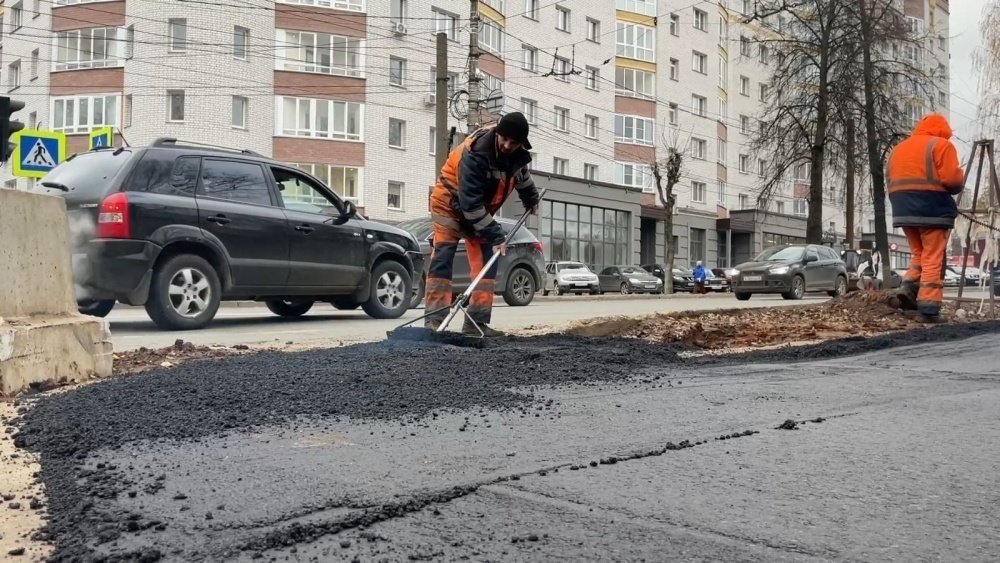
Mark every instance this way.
x=7 y=126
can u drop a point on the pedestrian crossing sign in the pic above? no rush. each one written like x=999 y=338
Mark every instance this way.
x=102 y=137
x=37 y=152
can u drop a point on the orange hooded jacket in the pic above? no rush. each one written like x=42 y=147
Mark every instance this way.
x=924 y=174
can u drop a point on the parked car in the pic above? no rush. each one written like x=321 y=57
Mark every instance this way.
x=721 y=280
x=952 y=278
x=629 y=279
x=575 y=277
x=180 y=227
x=682 y=277
x=791 y=270
x=519 y=273
x=973 y=276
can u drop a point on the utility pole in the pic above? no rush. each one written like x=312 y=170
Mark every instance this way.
x=472 y=117
x=441 y=104
x=851 y=173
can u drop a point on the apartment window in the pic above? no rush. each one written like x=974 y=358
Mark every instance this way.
x=723 y=151
x=395 y=196
x=763 y=92
x=779 y=207
x=32 y=119
x=590 y=172
x=942 y=99
x=592 y=78
x=722 y=188
x=562 y=68
x=745 y=164
x=491 y=38
x=241 y=39
x=633 y=130
x=699 y=149
x=744 y=86
x=560 y=166
x=700 y=19
x=723 y=109
x=675 y=69
x=699 y=62
x=562 y=19
x=351 y=5
x=745 y=124
x=744 y=45
x=761 y=167
x=675 y=25
x=34 y=64
x=322 y=53
x=699 y=105
x=672 y=114
x=561 y=119
x=698 y=191
x=344 y=181
x=175 y=105
x=126 y=111
x=97 y=47
x=634 y=175
x=530 y=58
x=762 y=54
x=744 y=201
x=645 y=7
x=590 y=126
x=14 y=75
x=397 y=71
x=178 y=35
x=129 y=41
x=397 y=133
x=748 y=7
x=446 y=23
x=531 y=9
x=530 y=110
x=397 y=10
x=593 y=30
x=632 y=82
x=635 y=41
x=800 y=206
x=452 y=80
x=16 y=17
x=80 y=114
x=325 y=119
x=723 y=72
x=240 y=106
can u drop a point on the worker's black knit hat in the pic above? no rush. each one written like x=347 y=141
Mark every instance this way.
x=514 y=126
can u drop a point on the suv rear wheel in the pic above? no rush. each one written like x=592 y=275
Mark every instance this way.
x=286 y=308
x=184 y=294
x=520 y=289
x=390 y=291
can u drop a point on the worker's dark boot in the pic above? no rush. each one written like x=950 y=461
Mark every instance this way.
x=432 y=323
x=927 y=319
x=469 y=329
x=907 y=296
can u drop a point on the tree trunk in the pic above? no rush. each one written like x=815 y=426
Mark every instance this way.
x=875 y=160
x=814 y=221
x=851 y=172
x=668 y=237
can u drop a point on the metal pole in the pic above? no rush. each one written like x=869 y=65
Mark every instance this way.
x=441 y=104
x=472 y=117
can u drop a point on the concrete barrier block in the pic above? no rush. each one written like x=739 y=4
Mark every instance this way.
x=42 y=336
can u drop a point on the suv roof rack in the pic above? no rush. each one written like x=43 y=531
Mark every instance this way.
x=173 y=142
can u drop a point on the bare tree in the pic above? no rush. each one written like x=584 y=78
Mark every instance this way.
x=666 y=174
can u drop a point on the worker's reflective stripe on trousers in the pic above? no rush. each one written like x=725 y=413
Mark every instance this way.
x=928 y=183
x=932 y=285
x=924 y=221
x=445 y=221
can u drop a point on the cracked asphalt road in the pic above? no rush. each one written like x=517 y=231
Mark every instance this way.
x=538 y=450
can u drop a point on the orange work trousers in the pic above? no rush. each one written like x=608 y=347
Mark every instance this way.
x=438 y=293
x=927 y=246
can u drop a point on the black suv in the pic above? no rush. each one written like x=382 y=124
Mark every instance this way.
x=179 y=227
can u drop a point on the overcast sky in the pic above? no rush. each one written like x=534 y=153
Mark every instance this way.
x=965 y=40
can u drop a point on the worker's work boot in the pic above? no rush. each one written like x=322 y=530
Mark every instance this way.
x=927 y=319
x=469 y=329
x=907 y=296
x=432 y=323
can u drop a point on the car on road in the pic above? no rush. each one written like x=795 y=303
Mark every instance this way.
x=720 y=280
x=570 y=277
x=683 y=277
x=629 y=279
x=791 y=270
x=180 y=227
x=952 y=278
x=973 y=276
x=520 y=272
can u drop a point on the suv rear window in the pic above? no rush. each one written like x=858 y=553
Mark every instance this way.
x=90 y=175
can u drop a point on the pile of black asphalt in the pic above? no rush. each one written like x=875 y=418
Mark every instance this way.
x=389 y=380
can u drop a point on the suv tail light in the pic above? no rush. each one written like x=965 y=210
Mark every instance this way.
x=538 y=247
x=113 y=219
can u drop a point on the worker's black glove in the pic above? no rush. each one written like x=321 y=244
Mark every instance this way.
x=493 y=234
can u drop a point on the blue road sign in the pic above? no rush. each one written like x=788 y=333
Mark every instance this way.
x=37 y=152
x=102 y=137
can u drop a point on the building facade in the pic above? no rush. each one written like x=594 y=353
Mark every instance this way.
x=345 y=89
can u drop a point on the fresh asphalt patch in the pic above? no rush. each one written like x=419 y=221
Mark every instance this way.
x=403 y=382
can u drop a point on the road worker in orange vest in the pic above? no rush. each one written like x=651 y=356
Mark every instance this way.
x=477 y=178
x=924 y=177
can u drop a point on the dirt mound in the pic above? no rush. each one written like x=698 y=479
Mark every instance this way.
x=861 y=313
x=136 y=361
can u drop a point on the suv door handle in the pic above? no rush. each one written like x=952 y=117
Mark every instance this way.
x=305 y=229
x=220 y=219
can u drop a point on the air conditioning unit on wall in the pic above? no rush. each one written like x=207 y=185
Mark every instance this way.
x=399 y=28
x=429 y=99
